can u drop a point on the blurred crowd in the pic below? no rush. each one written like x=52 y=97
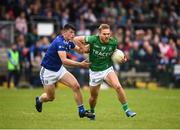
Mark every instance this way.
x=148 y=31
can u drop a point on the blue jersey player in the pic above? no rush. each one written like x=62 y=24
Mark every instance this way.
x=53 y=70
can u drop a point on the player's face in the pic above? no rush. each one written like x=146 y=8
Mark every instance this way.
x=105 y=35
x=69 y=34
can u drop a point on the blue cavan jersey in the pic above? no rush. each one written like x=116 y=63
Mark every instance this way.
x=51 y=60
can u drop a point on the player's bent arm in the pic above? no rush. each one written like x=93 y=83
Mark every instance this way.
x=125 y=58
x=78 y=49
x=80 y=41
x=68 y=62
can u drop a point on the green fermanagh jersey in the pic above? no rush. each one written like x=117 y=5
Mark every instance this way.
x=100 y=54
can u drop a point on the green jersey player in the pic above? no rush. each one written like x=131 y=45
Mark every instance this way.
x=100 y=48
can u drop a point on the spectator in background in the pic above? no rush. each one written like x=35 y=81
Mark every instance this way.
x=65 y=17
x=23 y=57
x=13 y=65
x=89 y=16
x=149 y=59
x=134 y=56
x=119 y=34
x=82 y=30
x=32 y=36
x=35 y=63
x=155 y=45
x=164 y=61
x=35 y=54
x=9 y=16
x=35 y=8
x=44 y=44
x=21 y=23
x=156 y=52
x=178 y=50
x=172 y=52
x=19 y=6
x=164 y=47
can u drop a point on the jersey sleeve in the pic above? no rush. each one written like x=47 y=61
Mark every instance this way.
x=115 y=42
x=66 y=47
x=71 y=45
x=61 y=47
x=89 y=39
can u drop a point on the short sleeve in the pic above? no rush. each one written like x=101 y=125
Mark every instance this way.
x=89 y=39
x=61 y=47
x=66 y=47
x=71 y=45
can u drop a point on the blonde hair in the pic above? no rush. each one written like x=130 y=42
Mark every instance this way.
x=103 y=26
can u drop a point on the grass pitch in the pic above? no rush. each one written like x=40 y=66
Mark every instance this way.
x=156 y=109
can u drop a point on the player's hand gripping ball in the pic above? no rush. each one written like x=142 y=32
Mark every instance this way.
x=119 y=56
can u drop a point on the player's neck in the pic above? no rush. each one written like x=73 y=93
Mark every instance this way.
x=102 y=41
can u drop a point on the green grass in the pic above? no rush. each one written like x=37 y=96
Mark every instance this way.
x=155 y=109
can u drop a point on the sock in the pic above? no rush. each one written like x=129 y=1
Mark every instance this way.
x=39 y=99
x=81 y=108
x=125 y=107
x=92 y=110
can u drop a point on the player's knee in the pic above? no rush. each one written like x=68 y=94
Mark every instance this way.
x=118 y=87
x=94 y=96
x=76 y=87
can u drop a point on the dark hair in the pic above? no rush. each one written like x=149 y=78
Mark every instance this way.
x=69 y=26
